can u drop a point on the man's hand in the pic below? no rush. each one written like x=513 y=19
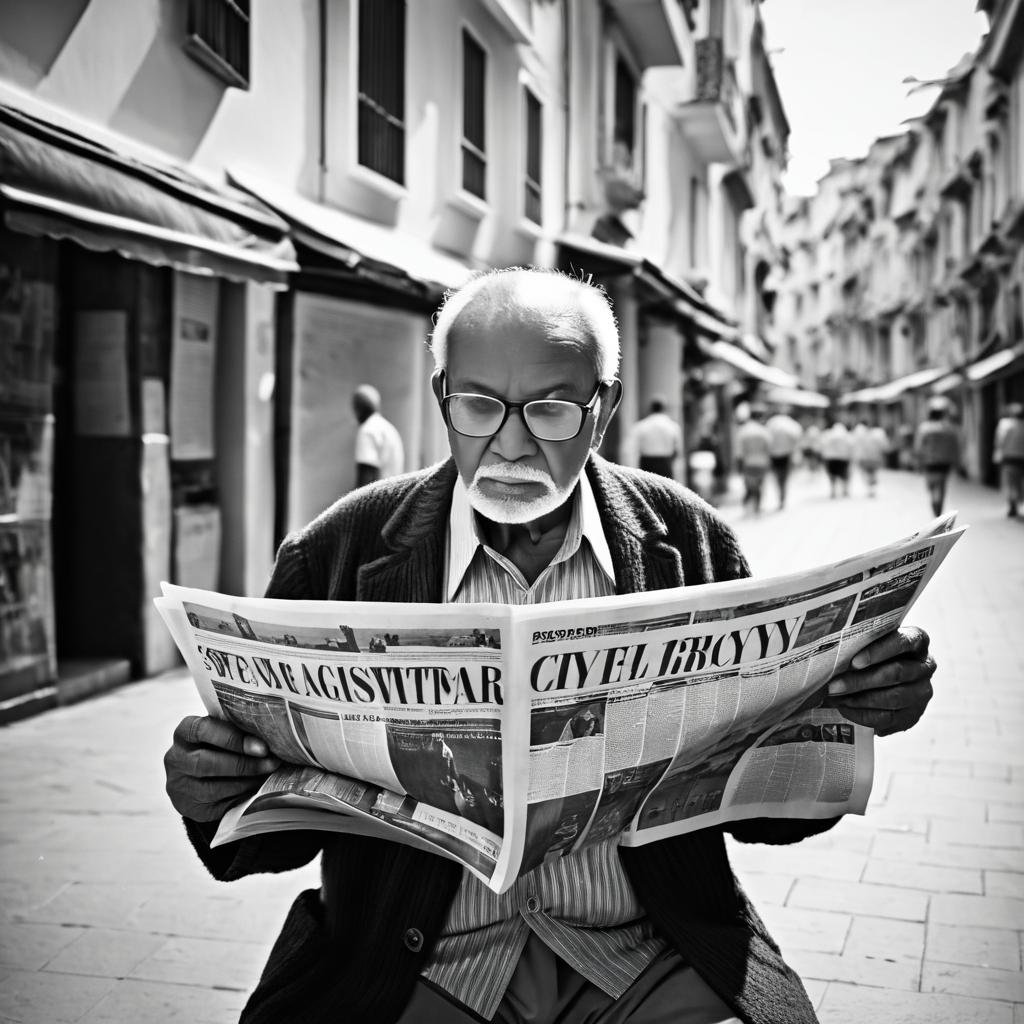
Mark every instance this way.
x=889 y=683
x=211 y=765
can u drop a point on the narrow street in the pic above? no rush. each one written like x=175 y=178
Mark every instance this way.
x=912 y=914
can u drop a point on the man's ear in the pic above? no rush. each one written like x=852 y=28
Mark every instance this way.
x=437 y=384
x=609 y=403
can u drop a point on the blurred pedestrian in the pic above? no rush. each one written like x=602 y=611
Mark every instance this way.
x=905 y=446
x=784 y=434
x=810 y=445
x=379 y=450
x=836 y=451
x=1008 y=454
x=937 y=448
x=703 y=466
x=870 y=445
x=752 y=446
x=657 y=440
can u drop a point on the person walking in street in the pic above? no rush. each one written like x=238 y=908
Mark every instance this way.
x=1008 y=454
x=753 y=444
x=810 y=444
x=836 y=452
x=870 y=445
x=657 y=440
x=379 y=450
x=524 y=511
x=937 y=449
x=784 y=434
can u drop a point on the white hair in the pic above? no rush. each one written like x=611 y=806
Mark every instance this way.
x=503 y=290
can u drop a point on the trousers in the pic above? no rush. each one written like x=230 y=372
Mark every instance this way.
x=545 y=990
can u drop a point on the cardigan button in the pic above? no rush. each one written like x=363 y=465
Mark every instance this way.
x=413 y=939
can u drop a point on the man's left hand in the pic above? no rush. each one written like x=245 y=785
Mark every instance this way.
x=888 y=685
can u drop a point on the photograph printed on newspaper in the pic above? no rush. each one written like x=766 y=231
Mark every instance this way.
x=503 y=736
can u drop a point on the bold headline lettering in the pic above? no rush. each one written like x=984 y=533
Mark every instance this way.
x=359 y=684
x=576 y=670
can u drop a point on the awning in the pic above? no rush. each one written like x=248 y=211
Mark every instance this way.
x=755 y=345
x=948 y=383
x=1006 y=360
x=593 y=256
x=891 y=391
x=351 y=239
x=62 y=185
x=747 y=365
x=797 y=397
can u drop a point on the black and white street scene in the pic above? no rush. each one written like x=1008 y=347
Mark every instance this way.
x=683 y=340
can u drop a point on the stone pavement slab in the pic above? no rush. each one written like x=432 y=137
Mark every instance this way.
x=913 y=914
x=941 y=827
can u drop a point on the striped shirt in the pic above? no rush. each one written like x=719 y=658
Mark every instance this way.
x=582 y=905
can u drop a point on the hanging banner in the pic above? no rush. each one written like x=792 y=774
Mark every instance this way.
x=193 y=359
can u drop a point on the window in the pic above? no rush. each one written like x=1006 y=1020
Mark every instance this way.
x=624 y=137
x=474 y=126
x=534 y=143
x=381 y=120
x=691 y=222
x=217 y=36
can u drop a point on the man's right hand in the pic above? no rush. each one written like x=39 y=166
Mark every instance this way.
x=212 y=765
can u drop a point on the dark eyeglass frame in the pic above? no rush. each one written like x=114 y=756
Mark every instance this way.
x=585 y=407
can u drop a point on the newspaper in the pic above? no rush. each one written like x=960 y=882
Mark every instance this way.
x=502 y=736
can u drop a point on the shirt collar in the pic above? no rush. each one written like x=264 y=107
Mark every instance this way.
x=463 y=538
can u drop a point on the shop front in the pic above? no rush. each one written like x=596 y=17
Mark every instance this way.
x=136 y=405
x=359 y=312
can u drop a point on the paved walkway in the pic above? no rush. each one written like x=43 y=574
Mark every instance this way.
x=912 y=914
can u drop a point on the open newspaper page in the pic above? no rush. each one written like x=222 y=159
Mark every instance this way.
x=389 y=718
x=671 y=711
x=505 y=736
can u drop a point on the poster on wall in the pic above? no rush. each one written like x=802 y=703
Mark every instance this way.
x=193 y=359
x=197 y=546
x=101 y=374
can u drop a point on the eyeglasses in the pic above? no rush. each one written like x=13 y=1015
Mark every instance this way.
x=547 y=419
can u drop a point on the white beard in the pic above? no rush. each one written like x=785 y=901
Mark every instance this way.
x=510 y=510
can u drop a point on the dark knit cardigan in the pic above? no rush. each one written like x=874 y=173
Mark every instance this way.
x=353 y=951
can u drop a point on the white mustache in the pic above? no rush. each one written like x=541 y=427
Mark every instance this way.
x=513 y=471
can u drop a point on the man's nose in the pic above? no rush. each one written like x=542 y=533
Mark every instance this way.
x=514 y=441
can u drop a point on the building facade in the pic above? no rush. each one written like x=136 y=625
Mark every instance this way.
x=219 y=217
x=902 y=276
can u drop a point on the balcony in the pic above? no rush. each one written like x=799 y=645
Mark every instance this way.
x=710 y=120
x=515 y=17
x=657 y=30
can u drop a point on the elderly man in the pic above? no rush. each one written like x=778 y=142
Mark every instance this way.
x=524 y=511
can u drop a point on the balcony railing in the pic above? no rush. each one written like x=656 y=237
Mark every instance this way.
x=712 y=118
x=716 y=82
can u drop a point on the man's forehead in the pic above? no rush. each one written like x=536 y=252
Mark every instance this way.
x=548 y=305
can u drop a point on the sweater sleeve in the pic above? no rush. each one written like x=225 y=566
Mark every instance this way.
x=270 y=851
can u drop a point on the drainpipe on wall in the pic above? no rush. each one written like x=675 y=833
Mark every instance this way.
x=321 y=157
x=566 y=112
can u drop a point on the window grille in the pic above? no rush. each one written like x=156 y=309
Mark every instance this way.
x=474 y=103
x=381 y=78
x=534 y=155
x=217 y=36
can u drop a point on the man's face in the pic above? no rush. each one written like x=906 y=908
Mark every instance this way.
x=512 y=476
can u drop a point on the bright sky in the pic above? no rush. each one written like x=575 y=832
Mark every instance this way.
x=840 y=66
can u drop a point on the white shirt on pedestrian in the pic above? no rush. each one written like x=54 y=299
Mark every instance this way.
x=379 y=444
x=784 y=434
x=836 y=443
x=657 y=435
